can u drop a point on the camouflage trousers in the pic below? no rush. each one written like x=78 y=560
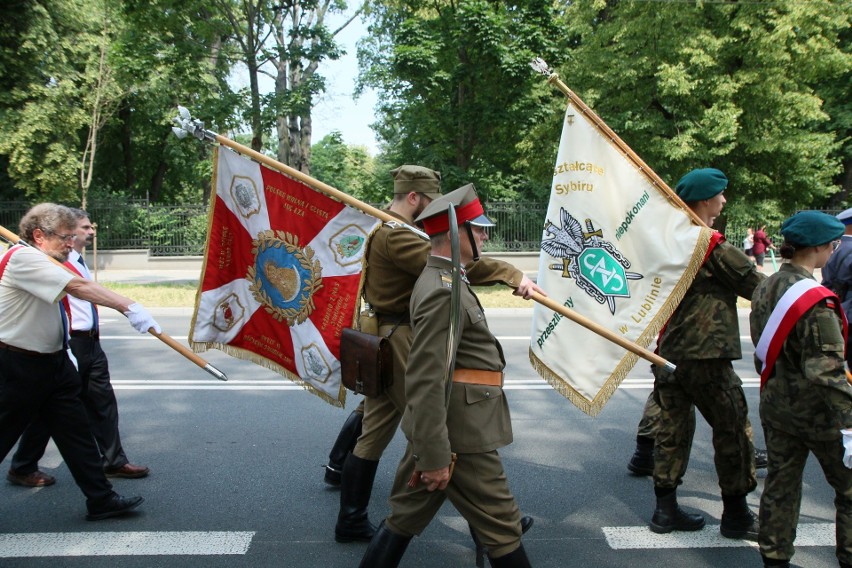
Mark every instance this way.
x=715 y=390
x=782 y=491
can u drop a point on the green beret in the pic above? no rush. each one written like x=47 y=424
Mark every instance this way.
x=702 y=184
x=811 y=228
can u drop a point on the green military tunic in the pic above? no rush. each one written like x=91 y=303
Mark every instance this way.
x=804 y=404
x=702 y=338
x=396 y=257
x=474 y=424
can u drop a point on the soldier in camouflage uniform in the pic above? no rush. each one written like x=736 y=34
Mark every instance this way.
x=805 y=401
x=394 y=260
x=702 y=338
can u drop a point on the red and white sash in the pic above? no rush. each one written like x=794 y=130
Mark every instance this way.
x=798 y=299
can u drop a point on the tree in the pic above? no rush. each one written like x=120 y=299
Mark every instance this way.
x=457 y=90
x=729 y=85
x=350 y=169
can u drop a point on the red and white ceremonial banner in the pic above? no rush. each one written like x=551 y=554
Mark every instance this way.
x=615 y=250
x=282 y=274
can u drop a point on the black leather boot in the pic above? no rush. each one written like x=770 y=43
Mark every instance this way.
x=343 y=446
x=775 y=563
x=515 y=559
x=385 y=550
x=526 y=524
x=642 y=462
x=355 y=489
x=669 y=517
x=737 y=520
x=761 y=459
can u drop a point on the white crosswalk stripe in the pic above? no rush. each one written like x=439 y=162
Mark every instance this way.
x=625 y=538
x=212 y=543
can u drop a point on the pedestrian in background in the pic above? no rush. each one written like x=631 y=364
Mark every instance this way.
x=798 y=329
x=761 y=245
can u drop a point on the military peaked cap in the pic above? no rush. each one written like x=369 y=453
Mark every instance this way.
x=845 y=216
x=435 y=219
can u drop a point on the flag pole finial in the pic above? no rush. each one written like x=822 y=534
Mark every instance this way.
x=541 y=66
x=188 y=125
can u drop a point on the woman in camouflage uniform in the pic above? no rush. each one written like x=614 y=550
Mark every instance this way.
x=805 y=399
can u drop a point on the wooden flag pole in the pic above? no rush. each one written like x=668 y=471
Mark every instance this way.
x=553 y=78
x=11 y=237
x=196 y=128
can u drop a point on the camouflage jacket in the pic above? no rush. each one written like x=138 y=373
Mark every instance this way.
x=704 y=325
x=807 y=392
x=396 y=258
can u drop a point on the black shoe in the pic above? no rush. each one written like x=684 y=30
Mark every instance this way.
x=332 y=476
x=775 y=563
x=111 y=506
x=669 y=517
x=761 y=459
x=526 y=523
x=515 y=559
x=642 y=462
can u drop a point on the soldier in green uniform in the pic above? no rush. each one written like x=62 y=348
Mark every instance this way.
x=472 y=423
x=702 y=338
x=805 y=399
x=395 y=258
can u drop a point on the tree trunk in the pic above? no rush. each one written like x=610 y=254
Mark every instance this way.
x=126 y=149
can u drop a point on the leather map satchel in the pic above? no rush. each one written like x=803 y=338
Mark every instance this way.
x=366 y=362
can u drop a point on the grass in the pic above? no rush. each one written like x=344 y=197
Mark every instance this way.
x=171 y=295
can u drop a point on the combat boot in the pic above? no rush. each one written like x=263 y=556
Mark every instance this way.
x=737 y=520
x=355 y=489
x=642 y=462
x=776 y=563
x=761 y=459
x=385 y=550
x=515 y=559
x=343 y=446
x=668 y=516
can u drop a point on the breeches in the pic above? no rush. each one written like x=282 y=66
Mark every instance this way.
x=382 y=414
x=478 y=489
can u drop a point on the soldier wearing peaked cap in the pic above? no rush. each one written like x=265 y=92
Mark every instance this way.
x=805 y=399
x=395 y=258
x=837 y=273
x=470 y=425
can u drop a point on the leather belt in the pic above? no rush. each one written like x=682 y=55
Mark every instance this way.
x=478 y=377
x=84 y=333
x=14 y=349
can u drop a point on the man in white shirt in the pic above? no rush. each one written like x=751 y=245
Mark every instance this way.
x=97 y=393
x=38 y=377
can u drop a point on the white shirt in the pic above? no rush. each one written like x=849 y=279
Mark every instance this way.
x=81 y=310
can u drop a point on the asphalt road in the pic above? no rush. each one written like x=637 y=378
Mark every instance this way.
x=237 y=481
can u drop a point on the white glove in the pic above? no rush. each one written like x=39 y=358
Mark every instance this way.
x=141 y=320
x=847 y=447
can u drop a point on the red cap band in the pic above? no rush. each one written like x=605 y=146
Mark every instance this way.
x=441 y=223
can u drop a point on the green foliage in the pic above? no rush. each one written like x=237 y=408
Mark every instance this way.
x=729 y=85
x=350 y=169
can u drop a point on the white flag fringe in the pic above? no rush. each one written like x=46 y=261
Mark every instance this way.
x=615 y=250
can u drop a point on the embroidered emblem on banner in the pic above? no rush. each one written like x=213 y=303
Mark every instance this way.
x=284 y=277
x=315 y=364
x=594 y=263
x=347 y=245
x=228 y=312
x=245 y=194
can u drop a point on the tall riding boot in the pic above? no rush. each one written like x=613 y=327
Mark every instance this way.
x=355 y=489
x=776 y=563
x=737 y=520
x=385 y=550
x=669 y=517
x=526 y=524
x=642 y=462
x=515 y=559
x=343 y=446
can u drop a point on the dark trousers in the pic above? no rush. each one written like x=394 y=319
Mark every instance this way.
x=49 y=386
x=101 y=407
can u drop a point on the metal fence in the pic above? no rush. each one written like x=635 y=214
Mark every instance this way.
x=181 y=230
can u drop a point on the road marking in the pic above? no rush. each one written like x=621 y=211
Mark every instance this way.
x=625 y=538
x=213 y=543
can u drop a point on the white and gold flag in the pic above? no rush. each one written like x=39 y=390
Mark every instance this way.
x=616 y=249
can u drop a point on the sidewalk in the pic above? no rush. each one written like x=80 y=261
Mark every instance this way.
x=148 y=276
